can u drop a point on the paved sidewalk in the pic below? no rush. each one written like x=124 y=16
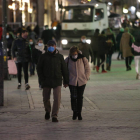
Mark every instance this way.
x=111 y=110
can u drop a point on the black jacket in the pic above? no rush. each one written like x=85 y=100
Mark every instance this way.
x=94 y=42
x=36 y=55
x=51 y=68
x=21 y=50
x=118 y=39
x=9 y=45
x=86 y=50
x=102 y=45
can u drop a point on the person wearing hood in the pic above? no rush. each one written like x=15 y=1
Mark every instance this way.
x=118 y=39
x=51 y=68
x=10 y=40
x=102 y=50
x=79 y=72
x=94 y=46
x=32 y=64
x=111 y=43
x=85 y=48
x=125 y=47
x=135 y=48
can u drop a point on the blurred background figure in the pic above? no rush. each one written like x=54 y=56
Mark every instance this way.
x=94 y=46
x=32 y=34
x=85 y=48
x=37 y=31
x=58 y=33
x=118 y=40
x=10 y=40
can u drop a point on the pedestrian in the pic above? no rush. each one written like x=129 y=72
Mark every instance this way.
x=32 y=34
x=111 y=42
x=136 y=52
x=51 y=68
x=58 y=33
x=94 y=45
x=22 y=56
x=37 y=30
x=118 y=40
x=102 y=50
x=125 y=47
x=36 y=53
x=9 y=40
x=32 y=64
x=79 y=72
x=85 y=48
x=47 y=35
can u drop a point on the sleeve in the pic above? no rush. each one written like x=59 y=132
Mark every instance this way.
x=40 y=68
x=87 y=68
x=64 y=71
x=14 y=48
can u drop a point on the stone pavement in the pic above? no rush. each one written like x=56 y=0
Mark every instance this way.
x=111 y=110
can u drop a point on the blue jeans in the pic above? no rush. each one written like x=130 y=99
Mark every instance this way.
x=109 y=59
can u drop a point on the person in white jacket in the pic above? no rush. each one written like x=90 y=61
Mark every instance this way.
x=79 y=72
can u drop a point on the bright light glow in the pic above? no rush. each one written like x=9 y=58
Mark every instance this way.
x=25 y=1
x=132 y=9
x=109 y=3
x=125 y=10
x=30 y=10
x=88 y=41
x=63 y=10
x=138 y=0
x=64 y=42
x=96 y=5
x=54 y=28
x=138 y=14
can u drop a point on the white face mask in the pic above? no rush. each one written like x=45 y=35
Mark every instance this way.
x=75 y=56
x=31 y=43
x=40 y=44
x=7 y=36
x=84 y=40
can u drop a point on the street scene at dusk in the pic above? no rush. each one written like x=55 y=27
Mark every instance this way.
x=69 y=69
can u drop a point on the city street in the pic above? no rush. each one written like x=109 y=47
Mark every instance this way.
x=111 y=109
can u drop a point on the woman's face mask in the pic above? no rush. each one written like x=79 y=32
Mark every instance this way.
x=40 y=44
x=75 y=56
x=31 y=43
x=7 y=36
x=84 y=40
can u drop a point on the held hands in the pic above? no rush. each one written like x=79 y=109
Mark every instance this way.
x=65 y=85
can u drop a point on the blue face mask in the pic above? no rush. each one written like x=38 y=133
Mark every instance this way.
x=51 y=49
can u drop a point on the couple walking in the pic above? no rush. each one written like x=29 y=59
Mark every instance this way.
x=75 y=71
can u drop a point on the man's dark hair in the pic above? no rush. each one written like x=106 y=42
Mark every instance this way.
x=97 y=31
x=24 y=31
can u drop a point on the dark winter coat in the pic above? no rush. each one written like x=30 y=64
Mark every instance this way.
x=86 y=50
x=47 y=35
x=113 y=47
x=135 y=48
x=21 y=50
x=9 y=45
x=51 y=68
x=94 y=42
x=118 y=39
x=102 y=45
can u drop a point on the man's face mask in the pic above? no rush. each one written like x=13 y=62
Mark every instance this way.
x=51 y=49
x=75 y=56
x=7 y=36
x=31 y=43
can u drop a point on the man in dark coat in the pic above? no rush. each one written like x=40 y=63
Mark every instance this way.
x=22 y=56
x=51 y=68
x=47 y=35
x=94 y=46
x=85 y=48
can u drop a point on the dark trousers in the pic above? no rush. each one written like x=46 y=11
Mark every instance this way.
x=109 y=59
x=94 y=57
x=77 y=97
x=101 y=63
x=128 y=61
x=120 y=53
x=23 y=65
x=32 y=68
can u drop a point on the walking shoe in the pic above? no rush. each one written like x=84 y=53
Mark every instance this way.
x=97 y=68
x=47 y=116
x=74 y=116
x=103 y=71
x=128 y=69
x=19 y=86
x=79 y=116
x=27 y=86
x=137 y=76
x=54 y=119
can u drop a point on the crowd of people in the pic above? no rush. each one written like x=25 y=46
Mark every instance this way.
x=40 y=54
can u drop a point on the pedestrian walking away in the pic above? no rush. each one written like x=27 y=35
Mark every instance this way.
x=51 y=68
x=94 y=46
x=79 y=72
x=102 y=50
x=125 y=46
x=118 y=40
x=22 y=56
x=111 y=48
x=37 y=52
x=136 y=52
x=85 y=48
